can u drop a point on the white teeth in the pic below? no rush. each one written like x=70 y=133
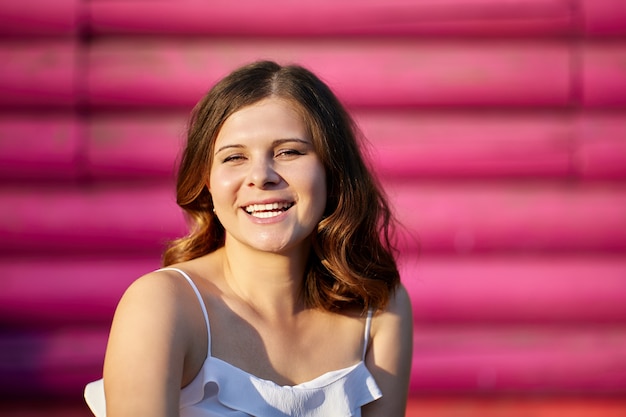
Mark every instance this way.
x=266 y=214
x=265 y=211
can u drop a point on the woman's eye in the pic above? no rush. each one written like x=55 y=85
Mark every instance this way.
x=288 y=152
x=233 y=158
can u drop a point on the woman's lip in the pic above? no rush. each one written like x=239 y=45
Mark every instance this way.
x=267 y=201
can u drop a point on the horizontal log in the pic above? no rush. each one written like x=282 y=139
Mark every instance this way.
x=402 y=145
x=51 y=407
x=601 y=146
x=440 y=406
x=327 y=17
x=80 y=290
x=455 y=218
x=416 y=145
x=132 y=220
x=403 y=73
x=40 y=147
x=603 y=82
x=135 y=146
x=40 y=17
x=516 y=289
x=40 y=73
x=603 y=17
x=475 y=218
x=39 y=290
x=53 y=363
x=509 y=405
x=514 y=360
x=446 y=360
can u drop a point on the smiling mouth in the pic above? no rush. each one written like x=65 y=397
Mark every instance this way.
x=265 y=211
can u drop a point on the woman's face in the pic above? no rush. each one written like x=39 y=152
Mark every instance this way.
x=267 y=182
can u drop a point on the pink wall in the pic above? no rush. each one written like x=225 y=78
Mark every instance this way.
x=498 y=129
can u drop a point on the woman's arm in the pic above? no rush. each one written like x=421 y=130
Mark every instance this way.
x=389 y=356
x=145 y=354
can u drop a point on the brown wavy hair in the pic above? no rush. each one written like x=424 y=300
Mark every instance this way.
x=352 y=260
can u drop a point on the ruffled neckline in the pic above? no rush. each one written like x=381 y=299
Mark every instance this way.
x=338 y=393
x=315 y=383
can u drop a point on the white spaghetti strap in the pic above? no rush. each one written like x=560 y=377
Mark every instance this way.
x=368 y=326
x=200 y=300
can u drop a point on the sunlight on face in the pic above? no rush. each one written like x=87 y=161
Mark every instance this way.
x=267 y=182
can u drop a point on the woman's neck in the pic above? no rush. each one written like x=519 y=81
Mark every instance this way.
x=270 y=283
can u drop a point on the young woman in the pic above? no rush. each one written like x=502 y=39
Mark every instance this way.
x=285 y=298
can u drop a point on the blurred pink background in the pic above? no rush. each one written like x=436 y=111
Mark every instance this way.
x=498 y=129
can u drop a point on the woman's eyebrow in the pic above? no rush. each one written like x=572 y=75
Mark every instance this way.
x=287 y=140
x=236 y=146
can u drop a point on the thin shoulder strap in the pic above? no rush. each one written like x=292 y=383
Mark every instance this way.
x=200 y=300
x=368 y=327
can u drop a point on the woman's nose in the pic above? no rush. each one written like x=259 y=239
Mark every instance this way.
x=262 y=174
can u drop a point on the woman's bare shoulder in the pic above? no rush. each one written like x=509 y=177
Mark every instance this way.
x=165 y=295
x=398 y=307
x=156 y=287
x=389 y=357
x=169 y=282
x=153 y=331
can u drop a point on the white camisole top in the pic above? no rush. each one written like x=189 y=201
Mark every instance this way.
x=221 y=389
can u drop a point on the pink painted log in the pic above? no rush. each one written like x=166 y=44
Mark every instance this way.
x=499 y=290
x=325 y=17
x=601 y=149
x=603 y=79
x=434 y=406
x=115 y=219
x=75 y=290
x=75 y=407
x=404 y=144
x=511 y=405
x=474 y=218
x=604 y=17
x=40 y=147
x=446 y=360
x=41 y=73
x=416 y=145
x=461 y=218
x=507 y=289
x=363 y=72
x=531 y=360
x=135 y=146
x=54 y=363
x=39 y=17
